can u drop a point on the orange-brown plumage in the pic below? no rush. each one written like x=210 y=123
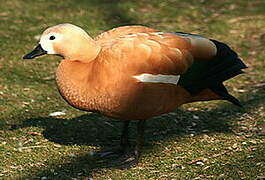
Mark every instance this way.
x=121 y=96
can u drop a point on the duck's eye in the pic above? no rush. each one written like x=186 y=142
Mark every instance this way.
x=52 y=37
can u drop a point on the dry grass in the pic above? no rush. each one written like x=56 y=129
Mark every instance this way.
x=212 y=140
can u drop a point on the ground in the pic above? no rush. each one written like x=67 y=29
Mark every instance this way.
x=209 y=140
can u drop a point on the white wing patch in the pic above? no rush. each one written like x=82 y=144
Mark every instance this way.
x=158 y=78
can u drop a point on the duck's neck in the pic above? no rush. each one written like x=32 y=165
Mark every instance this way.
x=75 y=84
x=84 y=50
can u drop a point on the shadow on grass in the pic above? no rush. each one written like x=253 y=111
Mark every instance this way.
x=102 y=132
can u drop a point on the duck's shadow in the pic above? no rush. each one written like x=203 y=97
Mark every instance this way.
x=88 y=129
x=97 y=130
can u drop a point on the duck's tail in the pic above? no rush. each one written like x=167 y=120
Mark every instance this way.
x=212 y=73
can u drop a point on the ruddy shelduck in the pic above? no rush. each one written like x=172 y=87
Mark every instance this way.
x=135 y=72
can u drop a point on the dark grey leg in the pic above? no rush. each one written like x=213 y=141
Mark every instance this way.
x=124 y=146
x=140 y=138
x=129 y=159
x=133 y=160
x=125 y=137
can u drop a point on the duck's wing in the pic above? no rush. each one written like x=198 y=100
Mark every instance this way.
x=196 y=62
x=158 y=52
x=121 y=31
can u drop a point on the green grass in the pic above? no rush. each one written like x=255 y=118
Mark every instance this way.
x=224 y=142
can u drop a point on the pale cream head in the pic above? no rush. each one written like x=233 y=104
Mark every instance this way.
x=69 y=41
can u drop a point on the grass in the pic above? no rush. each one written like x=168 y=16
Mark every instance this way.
x=209 y=140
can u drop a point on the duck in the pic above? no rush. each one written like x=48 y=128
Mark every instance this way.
x=136 y=72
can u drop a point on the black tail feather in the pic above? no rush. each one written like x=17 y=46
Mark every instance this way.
x=222 y=91
x=225 y=65
x=211 y=74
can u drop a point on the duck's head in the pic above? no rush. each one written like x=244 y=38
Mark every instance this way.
x=66 y=40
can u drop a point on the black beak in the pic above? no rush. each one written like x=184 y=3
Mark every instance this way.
x=38 y=51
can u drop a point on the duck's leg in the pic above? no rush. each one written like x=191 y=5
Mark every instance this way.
x=124 y=143
x=140 y=139
x=130 y=161
x=124 y=146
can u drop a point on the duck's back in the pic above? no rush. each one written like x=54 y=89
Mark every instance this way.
x=121 y=31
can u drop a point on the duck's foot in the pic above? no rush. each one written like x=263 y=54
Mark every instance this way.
x=116 y=152
x=124 y=162
x=121 y=157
